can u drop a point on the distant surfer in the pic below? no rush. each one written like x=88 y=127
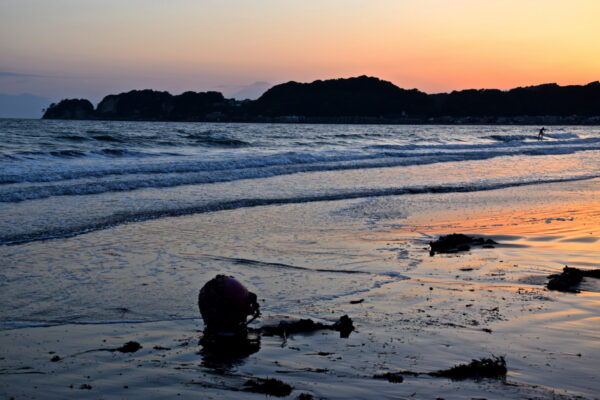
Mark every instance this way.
x=541 y=133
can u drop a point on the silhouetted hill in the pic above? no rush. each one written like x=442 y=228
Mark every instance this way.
x=548 y=99
x=361 y=96
x=352 y=100
x=151 y=105
x=70 y=109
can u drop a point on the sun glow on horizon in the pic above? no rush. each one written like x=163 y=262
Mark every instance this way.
x=432 y=45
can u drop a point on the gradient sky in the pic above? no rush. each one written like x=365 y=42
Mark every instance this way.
x=88 y=48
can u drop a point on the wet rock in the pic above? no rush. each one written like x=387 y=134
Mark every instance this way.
x=284 y=328
x=225 y=305
x=305 y=396
x=456 y=242
x=477 y=369
x=270 y=386
x=55 y=359
x=357 y=301
x=568 y=280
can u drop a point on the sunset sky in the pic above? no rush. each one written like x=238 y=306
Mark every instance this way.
x=85 y=48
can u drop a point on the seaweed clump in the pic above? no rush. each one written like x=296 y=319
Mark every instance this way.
x=129 y=347
x=477 y=369
x=494 y=367
x=344 y=326
x=456 y=242
x=270 y=386
x=394 y=377
x=570 y=278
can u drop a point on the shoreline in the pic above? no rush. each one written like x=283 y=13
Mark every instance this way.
x=571 y=120
x=252 y=203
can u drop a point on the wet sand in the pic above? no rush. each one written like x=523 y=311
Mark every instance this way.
x=420 y=313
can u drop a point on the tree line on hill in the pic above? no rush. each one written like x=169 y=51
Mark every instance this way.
x=360 y=99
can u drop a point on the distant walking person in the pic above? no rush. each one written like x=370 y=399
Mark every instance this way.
x=541 y=133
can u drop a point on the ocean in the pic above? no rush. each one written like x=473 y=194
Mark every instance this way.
x=61 y=178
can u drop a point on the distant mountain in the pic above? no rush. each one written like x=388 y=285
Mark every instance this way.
x=361 y=99
x=22 y=105
x=252 y=91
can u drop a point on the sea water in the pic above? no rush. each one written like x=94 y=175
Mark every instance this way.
x=62 y=179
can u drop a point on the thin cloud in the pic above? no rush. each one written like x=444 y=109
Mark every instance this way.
x=4 y=74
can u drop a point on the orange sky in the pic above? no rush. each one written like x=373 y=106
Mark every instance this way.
x=90 y=48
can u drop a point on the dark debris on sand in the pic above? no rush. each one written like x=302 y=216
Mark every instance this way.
x=494 y=367
x=568 y=280
x=394 y=377
x=269 y=386
x=344 y=326
x=456 y=242
x=129 y=347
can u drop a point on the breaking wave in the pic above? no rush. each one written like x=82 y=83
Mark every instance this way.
x=135 y=216
x=44 y=180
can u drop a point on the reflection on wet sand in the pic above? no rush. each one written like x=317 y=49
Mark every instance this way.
x=226 y=352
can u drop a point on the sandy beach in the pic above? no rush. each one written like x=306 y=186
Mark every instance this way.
x=419 y=313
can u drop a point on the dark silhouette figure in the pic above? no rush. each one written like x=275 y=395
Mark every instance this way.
x=541 y=133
